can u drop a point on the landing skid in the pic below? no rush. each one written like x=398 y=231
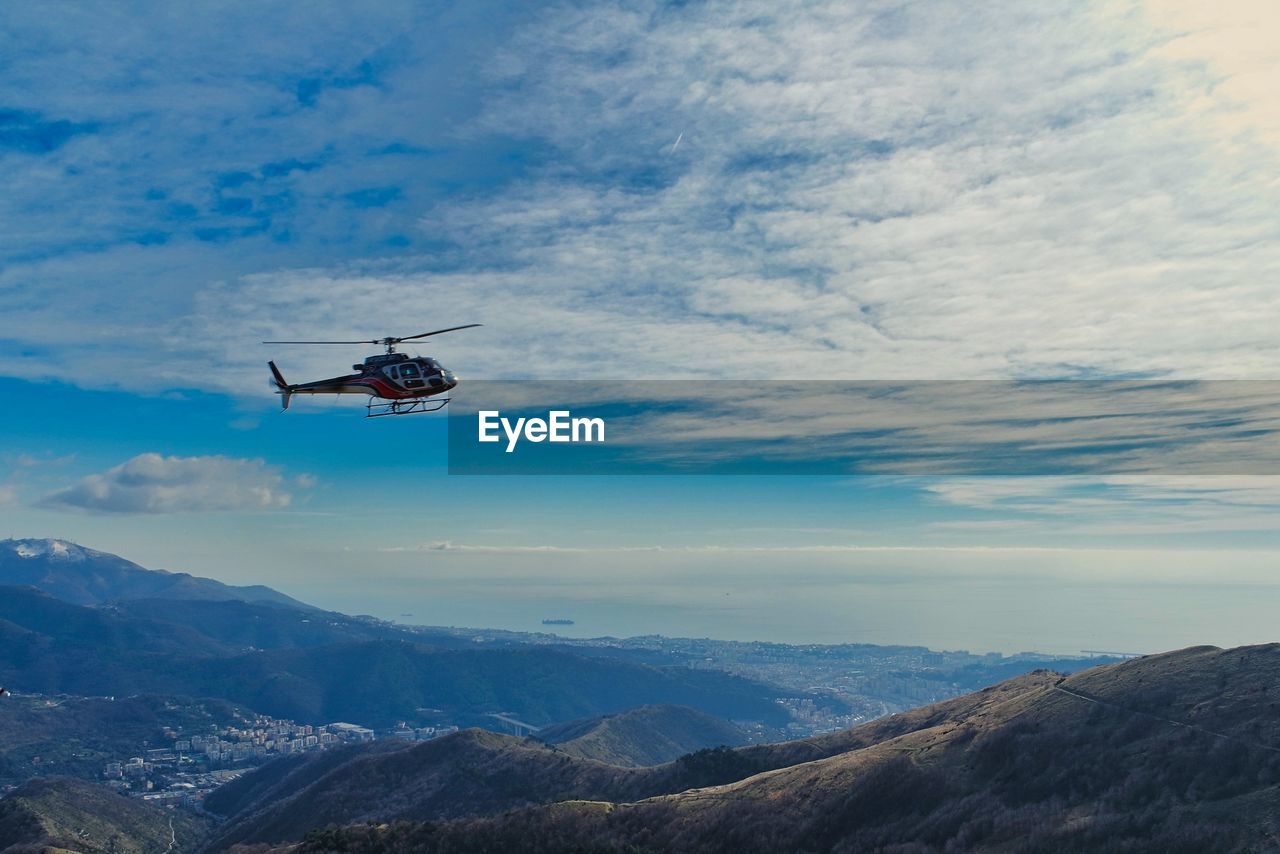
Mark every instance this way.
x=405 y=407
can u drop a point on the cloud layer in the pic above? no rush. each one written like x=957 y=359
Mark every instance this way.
x=880 y=190
x=151 y=483
x=922 y=428
x=1121 y=504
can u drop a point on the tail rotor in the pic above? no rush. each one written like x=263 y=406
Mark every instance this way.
x=282 y=387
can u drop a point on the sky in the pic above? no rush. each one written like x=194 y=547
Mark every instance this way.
x=638 y=191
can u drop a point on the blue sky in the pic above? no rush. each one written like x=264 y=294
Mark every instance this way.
x=620 y=191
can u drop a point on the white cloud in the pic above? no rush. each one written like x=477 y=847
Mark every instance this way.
x=157 y=154
x=8 y=495
x=838 y=548
x=1122 y=504
x=151 y=483
x=861 y=190
x=1238 y=41
x=451 y=546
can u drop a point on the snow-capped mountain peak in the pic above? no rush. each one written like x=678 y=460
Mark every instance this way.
x=59 y=550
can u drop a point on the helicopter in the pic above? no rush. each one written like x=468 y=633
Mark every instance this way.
x=396 y=384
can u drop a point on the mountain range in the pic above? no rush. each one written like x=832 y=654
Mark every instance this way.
x=1177 y=752
x=83 y=576
x=261 y=650
x=53 y=647
x=473 y=772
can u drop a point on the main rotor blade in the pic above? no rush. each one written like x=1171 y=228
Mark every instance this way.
x=437 y=332
x=322 y=342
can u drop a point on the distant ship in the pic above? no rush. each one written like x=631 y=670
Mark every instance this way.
x=557 y=622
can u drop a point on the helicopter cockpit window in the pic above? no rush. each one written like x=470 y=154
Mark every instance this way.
x=409 y=372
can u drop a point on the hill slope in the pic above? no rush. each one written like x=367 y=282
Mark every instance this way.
x=84 y=576
x=242 y=626
x=648 y=735
x=34 y=625
x=74 y=736
x=469 y=773
x=1175 y=752
x=476 y=773
x=71 y=815
x=49 y=646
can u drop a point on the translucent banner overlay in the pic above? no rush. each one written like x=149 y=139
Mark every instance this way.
x=685 y=427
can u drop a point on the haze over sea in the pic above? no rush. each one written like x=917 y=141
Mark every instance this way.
x=980 y=614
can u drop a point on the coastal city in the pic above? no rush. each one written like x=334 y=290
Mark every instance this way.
x=194 y=765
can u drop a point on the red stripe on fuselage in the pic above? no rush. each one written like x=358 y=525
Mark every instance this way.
x=357 y=384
